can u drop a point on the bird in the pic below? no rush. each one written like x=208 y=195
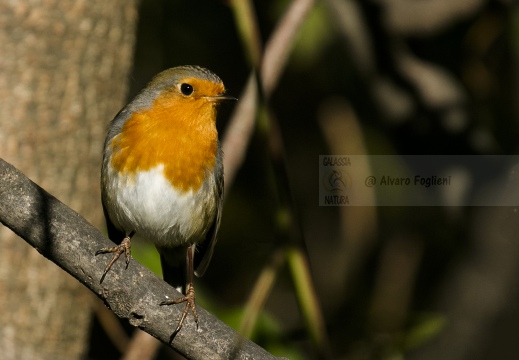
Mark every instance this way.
x=162 y=176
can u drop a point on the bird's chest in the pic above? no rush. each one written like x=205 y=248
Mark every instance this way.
x=147 y=202
x=184 y=151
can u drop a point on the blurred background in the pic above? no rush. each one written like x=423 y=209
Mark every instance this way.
x=396 y=77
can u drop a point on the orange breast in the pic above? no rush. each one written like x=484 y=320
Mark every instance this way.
x=175 y=132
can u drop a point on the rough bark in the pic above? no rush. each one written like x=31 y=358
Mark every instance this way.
x=63 y=75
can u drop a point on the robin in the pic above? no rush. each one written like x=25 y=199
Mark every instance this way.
x=162 y=176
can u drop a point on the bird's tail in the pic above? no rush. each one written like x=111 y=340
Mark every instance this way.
x=174 y=273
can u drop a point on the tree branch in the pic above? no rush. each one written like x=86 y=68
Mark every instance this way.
x=65 y=238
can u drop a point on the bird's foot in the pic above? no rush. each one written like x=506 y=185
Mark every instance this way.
x=189 y=299
x=124 y=246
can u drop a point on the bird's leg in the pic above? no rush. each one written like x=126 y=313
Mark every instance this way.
x=189 y=297
x=124 y=246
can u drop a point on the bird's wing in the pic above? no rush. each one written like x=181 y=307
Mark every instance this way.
x=114 y=234
x=204 y=250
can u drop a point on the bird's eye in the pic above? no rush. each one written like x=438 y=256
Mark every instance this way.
x=186 y=89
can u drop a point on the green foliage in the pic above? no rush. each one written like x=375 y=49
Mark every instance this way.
x=147 y=255
x=316 y=35
x=423 y=329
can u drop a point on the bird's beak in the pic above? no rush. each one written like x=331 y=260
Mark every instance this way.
x=219 y=98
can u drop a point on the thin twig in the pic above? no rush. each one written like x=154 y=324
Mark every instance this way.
x=277 y=50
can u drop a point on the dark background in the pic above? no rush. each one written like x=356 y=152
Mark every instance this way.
x=423 y=77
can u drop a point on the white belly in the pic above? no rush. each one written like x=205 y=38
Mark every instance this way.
x=147 y=203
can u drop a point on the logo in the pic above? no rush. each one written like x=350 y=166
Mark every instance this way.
x=336 y=181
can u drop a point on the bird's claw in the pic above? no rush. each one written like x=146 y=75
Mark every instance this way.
x=189 y=299
x=124 y=246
